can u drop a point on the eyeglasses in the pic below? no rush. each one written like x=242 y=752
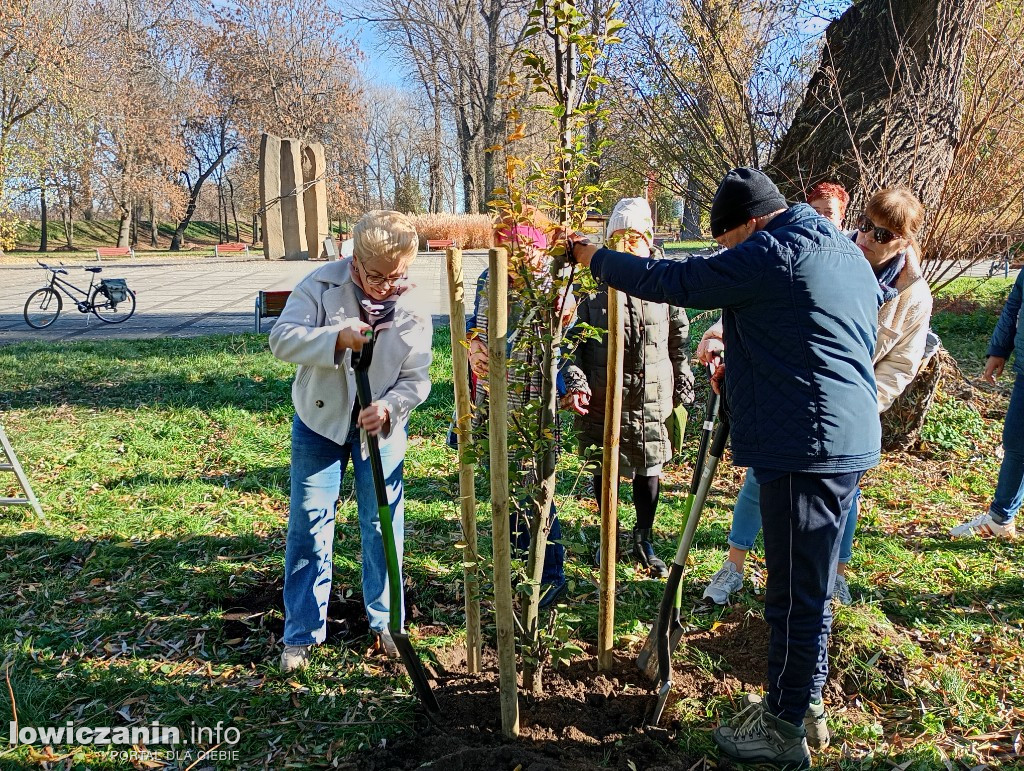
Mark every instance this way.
x=378 y=281
x=882 y=235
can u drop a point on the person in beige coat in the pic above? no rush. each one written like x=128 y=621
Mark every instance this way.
x=885 y=234
x=325 y=321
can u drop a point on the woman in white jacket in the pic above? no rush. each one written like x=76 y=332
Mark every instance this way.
x=326 y=318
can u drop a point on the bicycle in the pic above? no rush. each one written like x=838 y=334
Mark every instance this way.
x=110 y=300
x=1000 y=265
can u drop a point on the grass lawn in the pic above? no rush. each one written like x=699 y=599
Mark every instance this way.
x=688 y=246
x=88 y=234
x=152 y=590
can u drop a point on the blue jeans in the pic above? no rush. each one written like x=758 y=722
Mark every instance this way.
x=746 y=520
x=803 y=515
x=318 y=465
x=554 y=554
x=1010 y=487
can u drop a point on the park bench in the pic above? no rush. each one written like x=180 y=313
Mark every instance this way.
x=440 y=243
x=270 y=305
x=113 y=251
x=231 y=248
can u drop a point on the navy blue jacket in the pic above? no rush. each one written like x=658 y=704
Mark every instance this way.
x=1009 y=332
x=800 y=315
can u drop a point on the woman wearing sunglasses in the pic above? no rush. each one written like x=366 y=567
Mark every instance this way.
x=885 y=235
x=326 y=320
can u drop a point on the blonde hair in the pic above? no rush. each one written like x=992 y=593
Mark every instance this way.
x=899 y=210
x=384 y=236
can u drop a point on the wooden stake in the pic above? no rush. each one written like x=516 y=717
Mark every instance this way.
x=497 y=340
x=467 y=492
x=610 y=483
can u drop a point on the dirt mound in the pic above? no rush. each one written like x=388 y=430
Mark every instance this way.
x=585 y=720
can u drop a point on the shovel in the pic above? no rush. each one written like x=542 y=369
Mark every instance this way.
x=647 y=661
x=669 y=625
x=361 y=365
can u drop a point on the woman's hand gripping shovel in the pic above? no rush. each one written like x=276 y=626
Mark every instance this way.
x=667 y=630
x=361 y=364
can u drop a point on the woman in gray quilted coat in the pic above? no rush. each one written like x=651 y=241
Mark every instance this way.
x=656 y=379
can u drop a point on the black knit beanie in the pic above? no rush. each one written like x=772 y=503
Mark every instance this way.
x=743 y=195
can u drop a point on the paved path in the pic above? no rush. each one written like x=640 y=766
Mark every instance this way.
x=188 y=298
x=194 y=297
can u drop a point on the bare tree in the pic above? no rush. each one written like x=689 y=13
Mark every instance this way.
x=701 y=86
x=461 y=51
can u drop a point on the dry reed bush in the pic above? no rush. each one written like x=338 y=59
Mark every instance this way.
x=469 y=231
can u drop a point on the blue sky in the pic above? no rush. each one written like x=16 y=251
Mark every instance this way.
x=379 y=67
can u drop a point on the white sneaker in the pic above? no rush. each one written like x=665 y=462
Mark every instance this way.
x=841 y=593
x=294 y=657
x=986 y=527
x=723 y=583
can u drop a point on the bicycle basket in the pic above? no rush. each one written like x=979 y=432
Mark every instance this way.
x=116 y=289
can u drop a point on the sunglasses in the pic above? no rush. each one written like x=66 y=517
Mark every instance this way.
x=882 y=235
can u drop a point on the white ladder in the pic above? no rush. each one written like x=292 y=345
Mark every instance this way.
x=13 y=465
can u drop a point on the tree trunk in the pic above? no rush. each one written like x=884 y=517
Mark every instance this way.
x=135 y=224
x=465 y=139
x=69 y=225
x=43 y=224
x=435 y=158
x=124 y=225
x=193 y=197
x=154 y=230
x=492 y=121
x=691 y=208
x=885 y=106
x=234 y=213
x=255 y=229
x=221 y=213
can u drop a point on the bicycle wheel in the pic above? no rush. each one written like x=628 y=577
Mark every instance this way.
x=42 y=308
x=111 y=312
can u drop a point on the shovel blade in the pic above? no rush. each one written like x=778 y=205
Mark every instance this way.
x=659 y=705
x=647 y=661
x=414 y=667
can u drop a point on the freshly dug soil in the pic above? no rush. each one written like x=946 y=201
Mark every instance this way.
x=585 y=720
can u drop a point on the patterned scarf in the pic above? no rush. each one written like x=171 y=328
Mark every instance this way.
x=379 y=314
x=888 y=274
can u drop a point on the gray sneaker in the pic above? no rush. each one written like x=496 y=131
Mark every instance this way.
x=757 y=736
x=841 y=593
x=723 y=583
x=815 y=722
x=294 y=657
x=816 y=725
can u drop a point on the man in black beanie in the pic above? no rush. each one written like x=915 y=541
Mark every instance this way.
x=799 y=313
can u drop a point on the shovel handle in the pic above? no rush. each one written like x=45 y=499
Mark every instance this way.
x=361 y=366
